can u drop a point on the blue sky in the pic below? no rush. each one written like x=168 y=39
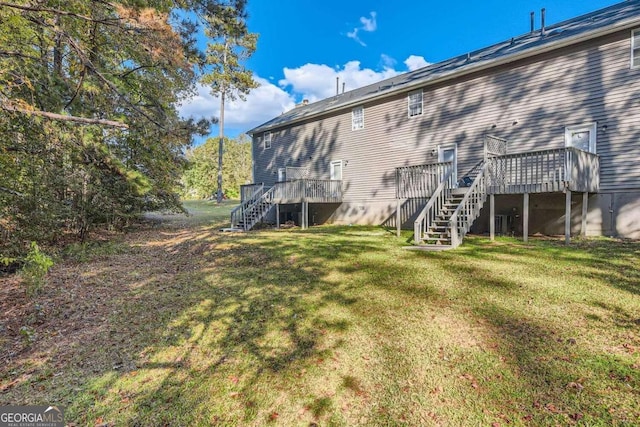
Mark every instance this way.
x=304 y=45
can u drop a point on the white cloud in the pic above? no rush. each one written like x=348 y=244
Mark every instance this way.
x=414 y=62
x=387 y=61
x=368 y=24
x=262 y=104
x=315 y=82
x=310 y=81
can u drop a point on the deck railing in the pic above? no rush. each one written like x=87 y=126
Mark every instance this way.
x=583 y=171
x=420 y=181
x=248 y=190
x=544 y=171
x=469 y=208
x=307 y=190
x=440 y=196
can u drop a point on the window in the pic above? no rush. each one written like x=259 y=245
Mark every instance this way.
x=581 y=137
x=282 y=174
x=415 y=104
x=635 y=48
x=336 y=170
x=357 y=118
x=267 y=140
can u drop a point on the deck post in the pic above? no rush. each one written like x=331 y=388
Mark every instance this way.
x=525 y=217
x=305 y=214
x=585 y=210
x=277 y=215
x=398 y=217
x=567 y=218
x=492 y=216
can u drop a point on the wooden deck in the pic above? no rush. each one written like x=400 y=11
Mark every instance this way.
x=545 y=171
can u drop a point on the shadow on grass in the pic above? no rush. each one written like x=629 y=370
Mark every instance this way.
x=239 y=304
x=549 y=360
x=208 y=323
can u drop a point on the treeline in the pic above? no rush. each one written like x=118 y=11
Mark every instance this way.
x=89 y=130
x=200 y=179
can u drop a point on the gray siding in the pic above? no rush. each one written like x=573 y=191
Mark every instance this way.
x=530 y=102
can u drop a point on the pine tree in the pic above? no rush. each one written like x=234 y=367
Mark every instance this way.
x=231 y=44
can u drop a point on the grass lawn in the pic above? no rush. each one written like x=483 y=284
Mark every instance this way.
x=179 y=324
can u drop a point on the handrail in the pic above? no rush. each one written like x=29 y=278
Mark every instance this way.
x=434 y=205
x=258 y=209
x=248 y=190
x=470 y=206
x=244 y=205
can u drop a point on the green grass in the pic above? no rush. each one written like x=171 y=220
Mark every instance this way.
x=340 y=326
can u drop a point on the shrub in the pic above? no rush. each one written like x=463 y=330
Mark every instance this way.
x=35 y=268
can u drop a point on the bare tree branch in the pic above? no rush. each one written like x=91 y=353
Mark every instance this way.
x=10 y=191
x=62 y=117
x=18 y=54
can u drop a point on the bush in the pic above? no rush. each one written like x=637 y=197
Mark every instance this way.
x=35 y=268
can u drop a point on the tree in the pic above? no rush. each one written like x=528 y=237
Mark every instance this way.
x=231 y=44
x=199 y=179
x=89 y=130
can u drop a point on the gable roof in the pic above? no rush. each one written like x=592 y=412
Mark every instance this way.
x=595 y=24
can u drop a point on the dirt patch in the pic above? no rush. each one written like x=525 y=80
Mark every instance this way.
x=76 y=322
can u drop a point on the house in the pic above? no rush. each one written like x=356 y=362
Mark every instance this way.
x=540 y=133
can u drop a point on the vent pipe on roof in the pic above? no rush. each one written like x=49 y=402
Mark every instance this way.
x=543 y=11
x=533 y=18
x=337 y=86
x=343 y=85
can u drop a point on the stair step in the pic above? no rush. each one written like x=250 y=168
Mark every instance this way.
x=436 y=235
x=437 y=241
x=427 y=247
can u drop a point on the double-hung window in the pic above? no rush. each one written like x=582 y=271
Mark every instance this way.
x=357 y=118
x=266 y=139
x=336 y=170
x=635 y=48
x=415 y=103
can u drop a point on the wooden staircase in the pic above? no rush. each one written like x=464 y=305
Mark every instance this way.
x=449 y=213
x=251 y=212
x=438 y=232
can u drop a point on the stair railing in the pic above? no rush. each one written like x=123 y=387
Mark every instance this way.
x=257 y=210
x=469 y=208
x=433 y=206
x=237 y=213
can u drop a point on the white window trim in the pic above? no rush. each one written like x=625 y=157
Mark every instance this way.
x=441 y=150
x=266 y=140
x=635 y=33
x=592 y=128
x=421 y=92
x=331 y=169
x=282 y=174
x=354 y=125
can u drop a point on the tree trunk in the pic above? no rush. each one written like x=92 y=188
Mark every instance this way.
x=220 y=148
x=221 y=127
